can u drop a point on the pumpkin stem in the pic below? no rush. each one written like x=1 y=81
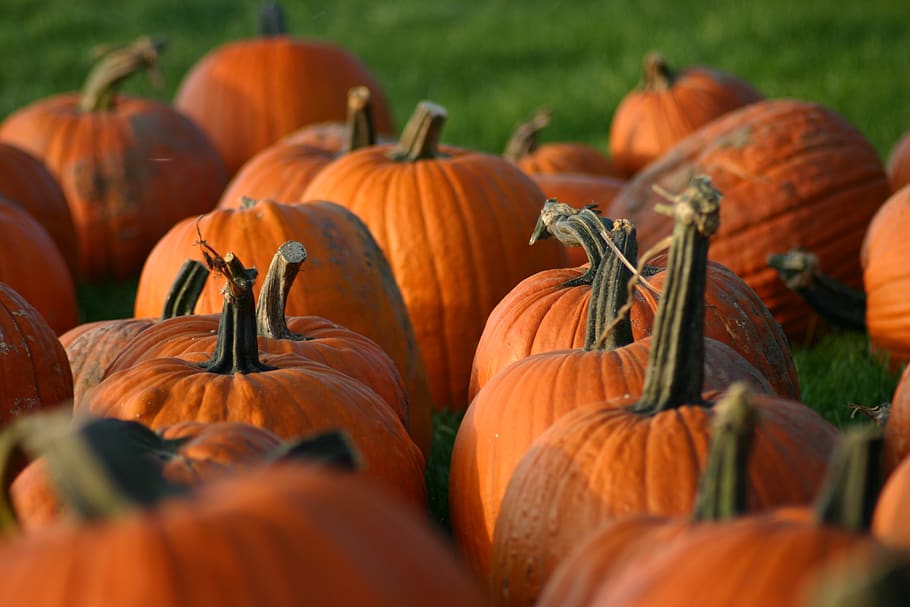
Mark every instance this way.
x=884 y=583
x=360 y=127
x=273 y=297
x=525 y=139
x=608 y=327
x=847 y=497
x=722 y=493
x=840 y=305
x=573 y=227
x=115 y=66
x=674 y=374
x=272 y=20
x=657 y=73
x=333 y=448
x=185 y=290
x=420 y=137
x=237 y=349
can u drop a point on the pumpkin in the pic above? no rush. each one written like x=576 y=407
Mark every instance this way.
x=890 y=523
x=547 y=311
x=453 y=224
x=130 y=167
x=247 y=94
x=348 y=279
x=724 y=561
x=90 y=347
x=25 y=180
x=287 y=394
x=644 y=454
x=532 y=157
x=34 y=372
x=31 y=264
x=282 y=170
x=667 y=106
x=898 y=166
x=190 y=453
x=525 y=398
x=896 y=420
x=794 y=174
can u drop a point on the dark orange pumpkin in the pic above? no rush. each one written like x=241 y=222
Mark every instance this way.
x=248 y=94
x=130 y=167
x=891 y=523
x=667 y=106
x=793 y=174
x=899 y=163
x=454 y=225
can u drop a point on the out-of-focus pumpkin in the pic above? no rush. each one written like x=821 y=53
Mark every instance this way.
x=898 y=166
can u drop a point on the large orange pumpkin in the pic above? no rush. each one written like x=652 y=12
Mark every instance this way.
x=454 y=224
x=793 y=173
x=248 y=94
x=667 y=106
x=130 y=167
x=899 y=163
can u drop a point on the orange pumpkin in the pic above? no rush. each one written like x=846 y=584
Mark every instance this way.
x=454 y=226
x=898 y=166
x=667 y=106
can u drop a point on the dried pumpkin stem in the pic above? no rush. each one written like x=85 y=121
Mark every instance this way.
x=674 y=374
x=573 y=227
x=360 y=126
x=657 y=73
x=101 y=86
x=272 y=21
x=526 y=137
x=420 y=137
x=609 y=293
x=273 y=297
x=722 y=493
x=855 y=478
x=185 y=290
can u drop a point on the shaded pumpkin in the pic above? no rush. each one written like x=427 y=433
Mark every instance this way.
x=453 y=224
x=890 y=523
x=818 y=180
x=121 y=162
x=667 y=106
x=898 y=166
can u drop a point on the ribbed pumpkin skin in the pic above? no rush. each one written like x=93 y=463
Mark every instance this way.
x=280 y=172
x=25 y=180
x=527 y=397
x=897 y=428
x=284 y=536
x=345 y=279
x=899 y=163
x=886 y=279
x=248 y=94
x=567 y=157
x=538 y=315
x=793 y=174
x=128 y=174
x=649 y=121
x=211 y=450
x=455 y=230
x=753 y=562
x=600 y=462
x=890 y=523
x=31 y=264
x=34 y=372
x=327 y=343
x=297 y=398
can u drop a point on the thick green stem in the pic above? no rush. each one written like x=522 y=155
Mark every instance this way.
x=855 y=477
x=657 y=74
x=237 y=349
x=608 y=327
x=525 y=139
x=674 y=374
x=722 y=494
x=840 y=305
x=273 y=297
x=101 y=86
x=885 y=582
x=272 y=20
x=186 y=289
x=361 y=130
x=420 y=137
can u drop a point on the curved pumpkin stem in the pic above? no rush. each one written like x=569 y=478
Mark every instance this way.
x=848 y=496
x=273 y=297
x=360 y=126
x=657 y=73
x=272 y=20
x=722 y=493
x=674 y=374
x=420 y=137
x=608 y=326
x=185 y=291
x=885 y=582
x=101 y=86
x=573 y=227
x=525 y=139
x=840 y=305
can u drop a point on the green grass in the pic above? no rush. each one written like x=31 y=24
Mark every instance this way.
x=491 y=63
